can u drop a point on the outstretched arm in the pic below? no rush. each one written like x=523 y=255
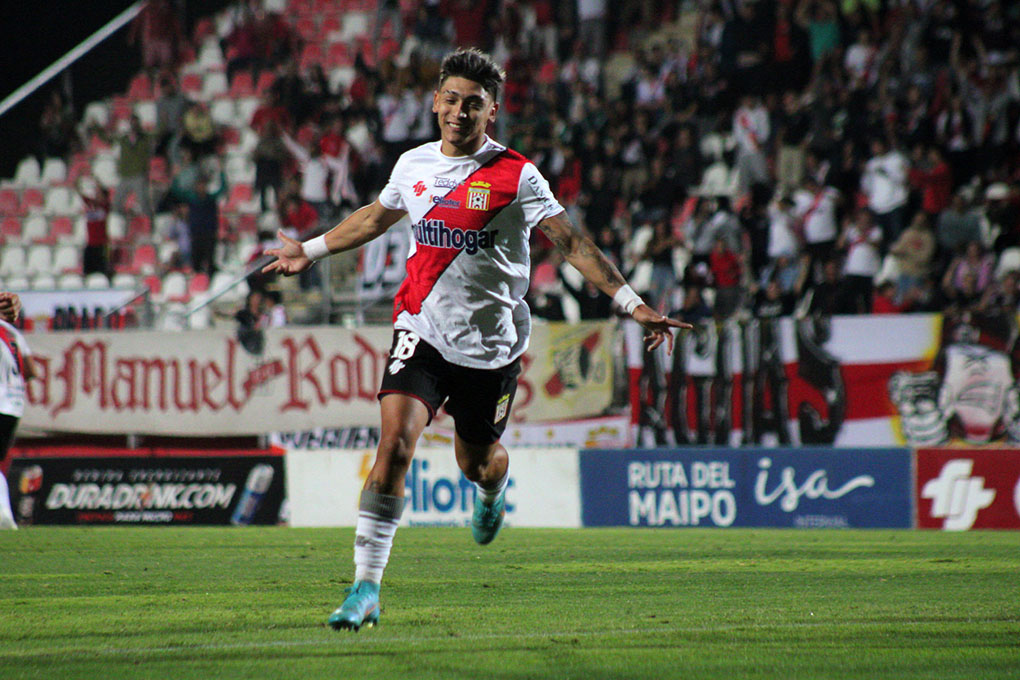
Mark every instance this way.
x=584 y=255
x=360 y=227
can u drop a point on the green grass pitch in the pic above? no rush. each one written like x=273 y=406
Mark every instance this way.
x=252 y=603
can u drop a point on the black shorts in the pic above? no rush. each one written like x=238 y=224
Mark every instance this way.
x=479 y=399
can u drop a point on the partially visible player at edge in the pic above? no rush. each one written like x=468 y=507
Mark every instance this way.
x=460 y=320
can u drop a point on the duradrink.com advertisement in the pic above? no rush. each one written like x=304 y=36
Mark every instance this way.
x=747 y=488
x=139 y=490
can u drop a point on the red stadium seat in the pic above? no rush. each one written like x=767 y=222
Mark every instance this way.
x=144 y=259
x=31 y=198
x=139 y=229
x=10 y=229
x=140 y=88
x=239 y=193
x=266 y=80
x=10 y=202
x=310 y=55
x=62 y=228
x=242 y=85
x=199 y=283
x=306 y=28
x=191 y=84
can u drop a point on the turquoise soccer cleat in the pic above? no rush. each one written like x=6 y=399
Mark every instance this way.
x=487 y=519
x=361 y=608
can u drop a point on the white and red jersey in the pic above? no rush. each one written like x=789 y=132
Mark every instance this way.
x=13 y=351
x=469 y=264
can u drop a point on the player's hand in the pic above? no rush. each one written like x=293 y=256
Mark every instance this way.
x=10 y=307
x=290 y=257
x=659 y=327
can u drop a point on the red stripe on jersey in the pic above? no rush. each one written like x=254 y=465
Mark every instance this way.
x=489 y=189
x=8 y=339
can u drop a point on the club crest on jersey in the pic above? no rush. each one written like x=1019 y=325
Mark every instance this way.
x=435 y=233
x=478 y=195
x=419 y=188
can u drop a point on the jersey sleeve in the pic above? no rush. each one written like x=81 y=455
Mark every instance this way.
x=390 y=197
x=535 y=197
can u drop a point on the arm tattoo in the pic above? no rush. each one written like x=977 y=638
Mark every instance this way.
x=589 y=250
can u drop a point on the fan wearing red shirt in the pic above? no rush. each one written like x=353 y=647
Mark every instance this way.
x=97 y=240
x=726 y=272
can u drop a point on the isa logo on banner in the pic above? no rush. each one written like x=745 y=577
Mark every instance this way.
x=741 y=487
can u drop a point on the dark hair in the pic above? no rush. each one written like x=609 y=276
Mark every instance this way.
x=473 y=64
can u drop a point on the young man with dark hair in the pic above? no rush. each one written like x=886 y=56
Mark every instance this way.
x=460 y=320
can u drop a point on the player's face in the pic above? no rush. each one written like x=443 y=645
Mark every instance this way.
x=463 y=108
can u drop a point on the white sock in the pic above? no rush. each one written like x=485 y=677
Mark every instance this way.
x=489 y=496
x=378 y=518
x=5 y=501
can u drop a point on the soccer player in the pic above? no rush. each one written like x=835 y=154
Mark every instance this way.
x=16 y=367
x=460 y=320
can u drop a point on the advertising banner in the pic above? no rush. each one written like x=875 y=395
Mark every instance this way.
x=210 y=383
x=543 y=491
x=147 y=490
x=605 y=432
x=919 y=380
x=746 y=488
x=959 y=489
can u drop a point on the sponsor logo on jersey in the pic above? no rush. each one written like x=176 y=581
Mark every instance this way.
x=445 y=202
x=419 y=188
x=478 y=195
x=447 y=182
x=435 y=233
x=501 y=408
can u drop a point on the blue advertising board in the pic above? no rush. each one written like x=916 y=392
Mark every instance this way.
x=747 y=487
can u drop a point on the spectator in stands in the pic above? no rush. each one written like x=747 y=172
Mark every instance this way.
x=957 y=225
x=180 y=233
x=827 y=295
x=913 y=253
x=204 y=222
x=251 y=320
x=885 y=299
x=133 y=167
x=170 y=109
x=884 y=182
x=242 y=44
x=660 y=253
x=315 y=170
x=751 y=130
x=1002 y=214
x=199 y=131
x=96 y=197
x=271 y=109
x=17 y=367
x=161 y=35
x=276 y=313
x=862 y=240
x=727 y=272
x=792 y=136
x=1003 y=296
x=301 y=220
x=968 y=275
x=269 y=155
x=932 y=176
x=56 y=128
x=182 y=183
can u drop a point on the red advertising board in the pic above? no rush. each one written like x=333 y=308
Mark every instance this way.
x=959 y=489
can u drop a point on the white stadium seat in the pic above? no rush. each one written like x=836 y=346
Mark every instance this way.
x=124 y=280
x=61 y=201
x=116 y=226
x=54 y=171
x=35 y=228
x=66 y=258
x=38 y=260
x=12 y=261
x=97 y=281
x=28 y=172
x=71 y=282
x=224 y=113
x=97 y=113
x=246 y=109
x=175 y=287
x=44 y=282
x=210 y=56
x=104 y=167
x=146 y=112
x=214 y=85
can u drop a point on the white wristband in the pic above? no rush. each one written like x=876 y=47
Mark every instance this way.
x=316 y=248
x=627 y=298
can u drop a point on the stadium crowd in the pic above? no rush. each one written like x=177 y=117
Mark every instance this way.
x=846 y=158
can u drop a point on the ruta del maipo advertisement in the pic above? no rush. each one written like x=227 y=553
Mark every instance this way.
x=747 y=488
x=137 y=490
